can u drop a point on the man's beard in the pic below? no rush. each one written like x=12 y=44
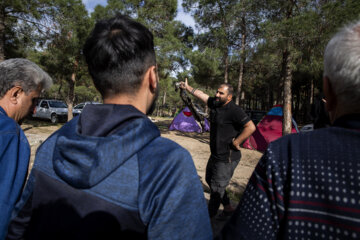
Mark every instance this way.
x=219 y=103
x=153 y=104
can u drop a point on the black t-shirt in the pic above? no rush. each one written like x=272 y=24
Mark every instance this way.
x=226 y=123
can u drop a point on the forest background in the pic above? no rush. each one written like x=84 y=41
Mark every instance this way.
x=271 y=51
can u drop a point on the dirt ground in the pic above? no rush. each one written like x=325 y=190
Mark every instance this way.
x=197 y=144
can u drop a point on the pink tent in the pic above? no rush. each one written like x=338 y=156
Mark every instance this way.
x=268 y=130
x=185 y=122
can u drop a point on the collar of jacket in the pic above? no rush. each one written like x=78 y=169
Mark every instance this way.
x=2 y=111
x=351 y=121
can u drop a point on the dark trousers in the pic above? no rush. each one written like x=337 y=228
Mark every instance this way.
x=218 y=175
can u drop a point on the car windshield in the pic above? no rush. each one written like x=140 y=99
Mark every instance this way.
x=79 y=106
x=57 y=104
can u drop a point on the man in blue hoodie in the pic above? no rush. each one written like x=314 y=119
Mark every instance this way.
x=21 y=81
x=108 y=174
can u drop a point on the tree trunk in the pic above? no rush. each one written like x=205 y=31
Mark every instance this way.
x=270 y=103
x=312 y=91
x=158 y=108
x=2 y=34
x=240 y=80
x=71 y=92
x=297 y=104
x=242 y=98
x=163 y=104
x=164 y=98
x=287 y=77
x=306 y=107
x=71 y=96
x=226 y=54
x=280 y=92
x=309 y=102
x=287 y=80
x=226 y=74
x=242 y=59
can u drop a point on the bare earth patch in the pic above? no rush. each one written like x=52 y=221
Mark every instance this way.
x=197 y=144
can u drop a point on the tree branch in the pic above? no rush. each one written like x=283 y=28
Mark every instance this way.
x=35 y=24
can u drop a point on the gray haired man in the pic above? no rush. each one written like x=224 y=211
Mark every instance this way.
x=21 y=82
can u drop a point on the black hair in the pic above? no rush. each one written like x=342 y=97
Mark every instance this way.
x=118 y=53
x=229 y=87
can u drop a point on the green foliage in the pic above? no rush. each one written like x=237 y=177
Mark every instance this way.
x=82 y=93
x=52 y=34
x=55 y=92
x=72 y=28
x=206 y=67
x=22 y=25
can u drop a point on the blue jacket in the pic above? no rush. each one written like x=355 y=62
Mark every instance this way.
x=109 y=175
x=14 y=160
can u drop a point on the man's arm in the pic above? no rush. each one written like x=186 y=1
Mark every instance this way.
x=21 y=218
x=15 y=155
x=171 y=199
x=194 y=91
x=249 y=129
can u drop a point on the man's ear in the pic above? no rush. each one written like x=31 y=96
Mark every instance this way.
x=330 y=96
x=14 y=94
x=153 y=79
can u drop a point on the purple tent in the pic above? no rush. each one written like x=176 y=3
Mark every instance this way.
x=185 y=122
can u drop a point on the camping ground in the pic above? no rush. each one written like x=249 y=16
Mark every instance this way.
x=197 y=144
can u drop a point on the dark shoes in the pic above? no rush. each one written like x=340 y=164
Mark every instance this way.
x=228 y=213
x=225 y=215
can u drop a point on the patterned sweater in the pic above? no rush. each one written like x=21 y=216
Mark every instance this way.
x=306 y=186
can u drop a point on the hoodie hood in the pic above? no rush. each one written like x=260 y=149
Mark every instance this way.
x=92 y=146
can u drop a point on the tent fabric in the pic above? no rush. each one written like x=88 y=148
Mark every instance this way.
x=185 y=122
x=276 y=111
x=268 y=130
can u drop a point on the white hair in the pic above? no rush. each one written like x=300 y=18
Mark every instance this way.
x=20 y=71
x=342 y=65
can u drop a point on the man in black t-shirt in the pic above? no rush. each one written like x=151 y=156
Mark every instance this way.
x=229 y=127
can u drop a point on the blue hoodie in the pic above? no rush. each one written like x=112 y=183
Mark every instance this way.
x=108 y=174
x=14 y=160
